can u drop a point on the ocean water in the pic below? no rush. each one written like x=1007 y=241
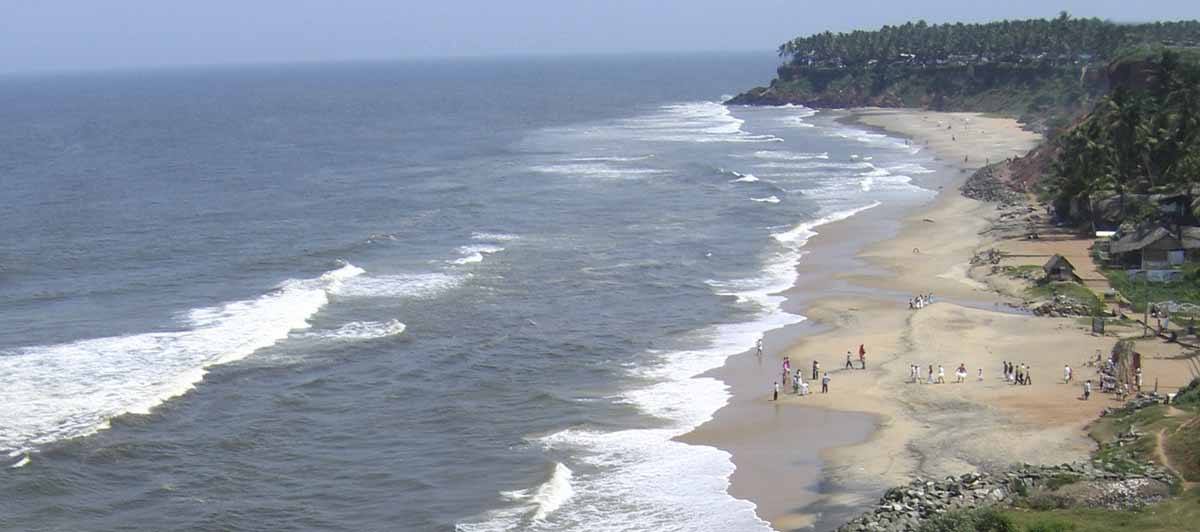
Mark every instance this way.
x=449 y=295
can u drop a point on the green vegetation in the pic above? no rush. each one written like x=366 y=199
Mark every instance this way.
x=1189 y=396
x=1129 y=456
x=1179 y=513
x=1063 y=38
x=1024 y=271
x=1180 y=426
x=1140 y=293
x=1061 y=480
x=1183 y=446
x=1073 y=291
x=982 y=520
x=1042 y=71
x=1143 y=138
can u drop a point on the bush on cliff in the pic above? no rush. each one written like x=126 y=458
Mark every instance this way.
x=981 y=520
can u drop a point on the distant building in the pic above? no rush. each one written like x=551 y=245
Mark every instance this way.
x=1058 y=268
x=1154 y=247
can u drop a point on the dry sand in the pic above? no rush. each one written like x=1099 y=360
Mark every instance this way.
x=923 y=430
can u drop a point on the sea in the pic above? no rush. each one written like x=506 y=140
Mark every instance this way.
x=448 y=295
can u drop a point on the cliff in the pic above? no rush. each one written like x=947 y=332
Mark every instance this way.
x=1041 y=95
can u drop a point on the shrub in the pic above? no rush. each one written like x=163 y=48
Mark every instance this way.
x=985 y=520
x=1046 y=501
x=1050 y=525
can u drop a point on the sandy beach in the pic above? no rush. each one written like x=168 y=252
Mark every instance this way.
x=915 y=429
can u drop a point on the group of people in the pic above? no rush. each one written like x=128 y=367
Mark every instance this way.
x=1109 y=382
x=799 y=385
x=920 y=301
x=960 y=374
x=1017 y=374
x=796 y=377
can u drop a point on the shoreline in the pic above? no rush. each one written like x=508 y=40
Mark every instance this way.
x=849 y=469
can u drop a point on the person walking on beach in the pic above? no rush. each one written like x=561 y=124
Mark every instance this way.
x=1067 y=374
x=980 y=379
x=796 y=383
x=960 y=374
x=758 y=347
x=776 y=396
x=930 y=379
x=862 y=355
x=816 y=368
x=848 y=364
x=825 y=383
x=1087 y=389
x=941 y=374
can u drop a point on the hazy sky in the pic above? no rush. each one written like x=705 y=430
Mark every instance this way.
x=71 y=34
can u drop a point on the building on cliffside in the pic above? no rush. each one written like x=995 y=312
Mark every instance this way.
x=1153 y=247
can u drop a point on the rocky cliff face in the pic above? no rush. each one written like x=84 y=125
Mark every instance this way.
x=1044 y=97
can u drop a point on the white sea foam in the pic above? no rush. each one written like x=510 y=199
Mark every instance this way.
x=24 y=461
x=612 y=159
x=533 y=507
x=402 y=285
x=743 y=178
x=874 y=171
x=768 y=199
x=595 y=170
x=910 y=168
x=795 y=121
x=778 y=155
x=494 y=237
x=801 y=233
x=475 y=253
x=362 y=330
x=813 y=165
x=693 y=122
x=875 y=139
x=61 y=391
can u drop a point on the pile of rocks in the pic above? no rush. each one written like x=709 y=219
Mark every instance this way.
x=1060 y=306
x=906 y=508
x=985 y=185
x=1143 y=400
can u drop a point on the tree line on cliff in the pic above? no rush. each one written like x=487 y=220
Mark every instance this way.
x=1063 y=38
x=1044 y=72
